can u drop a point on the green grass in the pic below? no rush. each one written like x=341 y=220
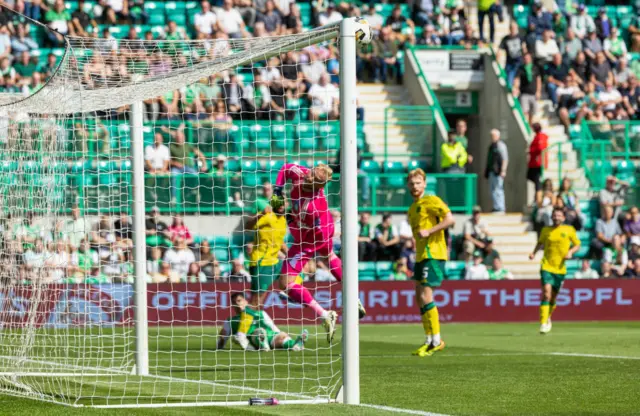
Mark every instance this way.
x=496 y=369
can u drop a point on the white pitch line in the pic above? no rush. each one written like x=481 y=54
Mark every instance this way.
x=608 y=357
x=400 y=410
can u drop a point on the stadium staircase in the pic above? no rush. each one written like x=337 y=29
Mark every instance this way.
x=376 y=100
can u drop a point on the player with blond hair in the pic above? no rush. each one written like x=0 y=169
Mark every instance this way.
x=429 y=217
x=311 y=225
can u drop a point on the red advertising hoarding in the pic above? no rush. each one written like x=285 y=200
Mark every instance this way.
x=386 y=302
x=394 y=302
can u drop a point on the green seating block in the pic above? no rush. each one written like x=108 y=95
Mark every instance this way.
x=370 y=166
x=455 y=270
x=156 y=11
x=384 y=269
x=367 y=271
x=176 y=11
x=394 y=167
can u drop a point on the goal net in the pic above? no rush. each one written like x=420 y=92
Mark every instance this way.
x=220 y=119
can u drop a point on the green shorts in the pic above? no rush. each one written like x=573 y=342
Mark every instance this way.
x=271 y=335
x=263 y=276
x=429 y=272
x=553 y=279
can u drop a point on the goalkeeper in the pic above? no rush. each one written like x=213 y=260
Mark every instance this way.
x=271 y=229
x=258 y=332
x=311 y=225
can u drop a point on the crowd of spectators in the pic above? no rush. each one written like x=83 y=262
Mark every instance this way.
x=582 y=63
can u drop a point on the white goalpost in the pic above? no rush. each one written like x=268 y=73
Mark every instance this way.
x=120 y=258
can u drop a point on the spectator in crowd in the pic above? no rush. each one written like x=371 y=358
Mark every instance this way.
x=634 y=30
x=408 y=255
x=195 y=275
x=634 y=271
x=6 y=70
x=490 y=252
x=22 y=41
x=26 y=66
x=154 y=263
x=257 y=98
x=166 y=274
x=613 y=196
x=123 y=231
x=614 y=47
x=582 y=23
x=157 y=156
x=49 y=67
x=271 y=19
x=496 y=170
x=469 y=40
x=324 y=99
x=514 y=48
x=58 y=19
x=557 y=73
x=601 y=71
x=477 y=270
x=366 y=59
x=374 y=19
x=546 y=48
x=498 y=272
x=559 y=25
x=571 y=204
x=263 y=201
x=429 y=37
x=603 y=24
x=81 y=20
x=59 y=264
x=606 y=229
x=29 y=230
x=461 y=137
x=293 y=21
x=329 y=15
x=423 y=12
x=617 y=255
x=207 y=260
x=401 y=270
x=539 y=19
x=632 y=224
x=489 y=9
x=571 y=45
x=182 y=157
x=34 y=260
x=592 y=45
x=386 y=51
x=537 y=156
x=545 y=201
x=607 y=271
x=527 y=86
x=238 y=273
x=397 y=22
x=452 y=27
x=586 y=272
x=156 y=230
x=366 y=247
x=179 y=231
x=74 y=229
x=180 y=257
x=229 y=21
x=453 y=156
x=5 y=42
x=87 y=259
x=475 y=233
x=387 y=239
x=205 y=21
x=102 y=236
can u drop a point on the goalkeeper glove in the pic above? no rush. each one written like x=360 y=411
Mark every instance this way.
x=241 y=339
x=277 y=201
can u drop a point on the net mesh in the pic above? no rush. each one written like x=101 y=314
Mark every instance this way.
x=221 y=119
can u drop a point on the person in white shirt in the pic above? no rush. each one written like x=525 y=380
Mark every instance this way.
x=610 y=97
x=330 y=15
x=546 y=47
x=324 y=99
x=75 y=228
x=205 y=21
x=586 y=272
x=59 y=262
x=157 y=157
x=582 y=23
x=230 y=21
x=476 y=270
x=375 y=20
x=180 y=257
x=34 y=260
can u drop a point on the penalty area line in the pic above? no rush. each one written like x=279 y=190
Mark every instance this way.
x=400 y=410
x=607 y=357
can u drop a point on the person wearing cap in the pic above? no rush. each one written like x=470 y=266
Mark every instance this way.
x=634 y=248
x=476 y=270
x=498 y=272
x=490 y=252
x=539 y=20
x=429 y=36
x=475 y=232
x=582 y=23
x=632 y=224
x=612 y=196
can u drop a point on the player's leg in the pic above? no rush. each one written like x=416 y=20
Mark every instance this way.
x=284 y=341
x=262 y=277
x=555 y=289
x=547 y=281
x=429 y=275
x=259 y=338
x=290 y=281
x=335 y=265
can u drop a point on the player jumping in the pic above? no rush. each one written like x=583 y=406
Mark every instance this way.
x=261 y=334
x=429 y=217
x=311 y=226
x=560 y=243
x=271 y=229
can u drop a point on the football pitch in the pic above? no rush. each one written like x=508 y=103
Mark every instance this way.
x=487 y=369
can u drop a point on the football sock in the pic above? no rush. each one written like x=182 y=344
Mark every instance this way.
x=245 y=323
x=301 y=295
x=544 y=311
x=426 y=325
x=434 y=322
x=288 y=343
x=552 y=307
x=335 y=264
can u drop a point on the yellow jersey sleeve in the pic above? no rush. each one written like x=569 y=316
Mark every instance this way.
x=437 y=207
x=264 y=221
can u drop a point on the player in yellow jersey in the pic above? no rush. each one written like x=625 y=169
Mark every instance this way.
x=264 y=266
x=560 y=242
x=429 y=217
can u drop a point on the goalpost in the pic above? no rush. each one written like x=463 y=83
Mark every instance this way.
x=99 y=309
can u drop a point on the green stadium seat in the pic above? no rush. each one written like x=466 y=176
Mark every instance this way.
x=584 y=237
x=233 y=165
x=393 y=167
x=366 y=271
x=251 y=180
x=455 y=270
x=384 y=269
x=582 y=252
x=520 y=14
x=156 y=11
x=415 y=164
x=249 y=166
x=219 y=241
x=370 y=166
x=225 y=268
x=222 y=254
x=282 y=136
x=625 y=169
x=306 y=135
x=274 y=166
x=305 y=13
x=176 y=11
